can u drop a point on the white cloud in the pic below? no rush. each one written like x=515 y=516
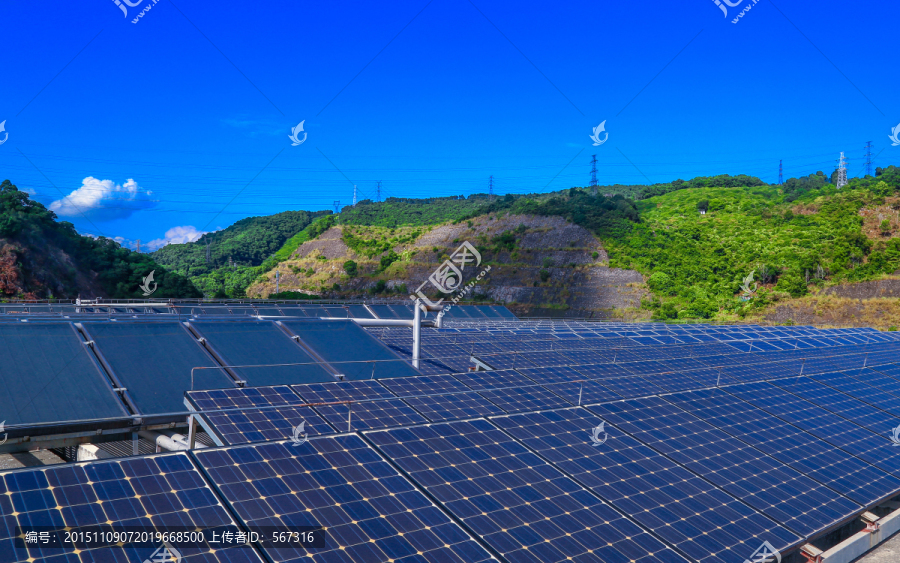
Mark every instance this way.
x=103 y=200
x=176 y=235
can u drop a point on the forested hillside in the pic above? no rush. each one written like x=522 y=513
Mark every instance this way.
x=42 y=258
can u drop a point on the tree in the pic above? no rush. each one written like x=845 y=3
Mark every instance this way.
x=351 y=268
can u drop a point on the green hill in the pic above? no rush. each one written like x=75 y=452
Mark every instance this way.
x=42 y=258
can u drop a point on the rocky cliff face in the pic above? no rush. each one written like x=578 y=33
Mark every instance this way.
x=538 y=264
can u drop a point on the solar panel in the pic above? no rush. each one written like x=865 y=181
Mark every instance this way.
x=583 y=392
x=454 y=406
x=602 y=371
x=424 y=385
x=784 y=494
x=558 y=374
x=861 y=391
x=478 y=380
x=282 y=413
x=519 y=399
x=367 y=510
x=821 y=460
x=701 y=520
x=863 y=414
x=631 y=386
x=342 y=391
x=823 y=424
x=515 y=502
x=253 y=343
x=163 y=493
x=47 y=375
x=365 y=359
x=141 y=353
x=382 y=413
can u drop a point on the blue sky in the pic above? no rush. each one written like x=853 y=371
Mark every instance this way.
x=179 y=123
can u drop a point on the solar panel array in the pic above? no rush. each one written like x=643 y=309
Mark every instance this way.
x=588 y=442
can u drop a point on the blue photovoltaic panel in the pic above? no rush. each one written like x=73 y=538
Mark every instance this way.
x=784 y=494
x=545 y=359
x=505 y=360
x=821 y=460
x=631 y=386
x=368 y=511
x=160 y=493
x=518 y=504
x=282 y=411
x=586 y=356
x=478 y=380
x=583 y=393
x=673 y=381
x=382 y=413
x=455 y=406
x=644 y=367
x=875 y=379
x=851 y=408
x=424 y=385
x=558 y=374
x=862 y=391
x=847 y=435
x=688 y=512
x=342 y=391
x=602 y=371
x=520 y=399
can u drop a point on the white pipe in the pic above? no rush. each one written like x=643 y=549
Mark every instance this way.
x=174 y=442
x=417 y=332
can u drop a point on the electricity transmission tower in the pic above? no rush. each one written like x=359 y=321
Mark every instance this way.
x=139 y=246
x=378 y=192
x=354 y=194
x=594 y=174
x=337 y=206
x=842 y=172
x=868 y=158
x=207 y=252
x=780 y=173
x=491 y=189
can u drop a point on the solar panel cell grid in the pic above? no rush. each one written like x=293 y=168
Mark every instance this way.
x=782 y=493
x=369 y=512
x=425 y=385
x=382 y=413
x=455 y=406
x=821 y=460
x=686 y=511
x=519 y=505
x=162 y=493
x=342 y=391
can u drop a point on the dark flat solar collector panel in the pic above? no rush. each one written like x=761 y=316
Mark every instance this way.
x=155 y=361
x=47 y=375
x=455 y=406
x=368 y=511
x=785 y=495
x=254 y=343
x=686 y=511
x=515 y=502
